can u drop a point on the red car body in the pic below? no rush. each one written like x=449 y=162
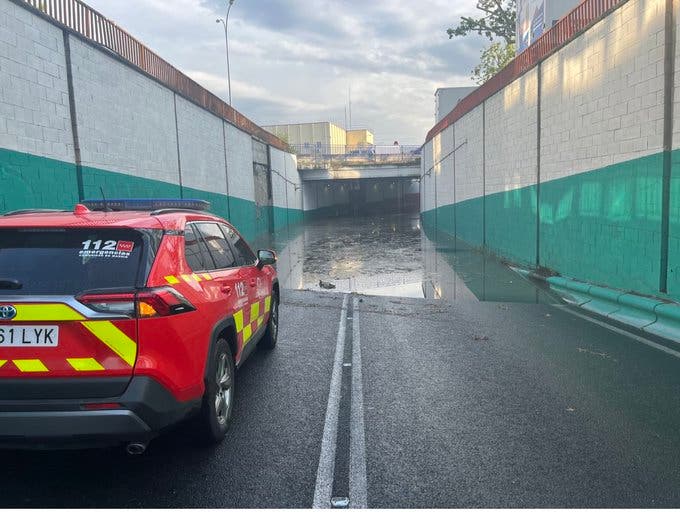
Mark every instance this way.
x=120 y=362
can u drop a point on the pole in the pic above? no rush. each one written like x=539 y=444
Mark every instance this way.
x=226 y=42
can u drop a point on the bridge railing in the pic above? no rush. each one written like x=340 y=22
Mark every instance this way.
x=316 y=156
x=82 y=19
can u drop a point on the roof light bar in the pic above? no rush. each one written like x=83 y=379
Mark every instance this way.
x=145 y=204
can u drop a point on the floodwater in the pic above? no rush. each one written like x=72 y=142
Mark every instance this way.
x=391 y=255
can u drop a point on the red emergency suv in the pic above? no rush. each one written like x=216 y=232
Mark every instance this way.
x=124 y=317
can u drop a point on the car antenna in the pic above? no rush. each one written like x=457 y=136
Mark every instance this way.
x=106 y=206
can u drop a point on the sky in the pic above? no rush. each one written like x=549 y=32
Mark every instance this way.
x=295 y=61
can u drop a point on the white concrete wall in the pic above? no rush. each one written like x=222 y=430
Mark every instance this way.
x=239 y=158
x=201 y=146
x=602 y=94
x=295 y=190
x=444 y=170
x=34 y=108
x=511 y=135
x=126 y=121
x=469 y=156
x=129 y=126
x=279 y=184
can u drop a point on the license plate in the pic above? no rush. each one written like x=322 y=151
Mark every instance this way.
x=29 y=336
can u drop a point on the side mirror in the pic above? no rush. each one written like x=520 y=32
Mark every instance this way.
x=265 y=257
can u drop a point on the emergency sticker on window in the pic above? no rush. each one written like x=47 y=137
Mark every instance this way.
x=106 y=249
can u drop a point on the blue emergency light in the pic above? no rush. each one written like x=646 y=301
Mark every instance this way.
x=145 y=204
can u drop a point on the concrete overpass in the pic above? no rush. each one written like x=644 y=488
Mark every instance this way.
x=361 y=189
x=374 y=171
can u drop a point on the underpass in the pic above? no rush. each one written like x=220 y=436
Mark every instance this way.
x=428 y=373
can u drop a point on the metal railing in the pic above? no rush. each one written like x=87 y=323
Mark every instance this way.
x=331 y=155
x=582 y=17
x=85 y=21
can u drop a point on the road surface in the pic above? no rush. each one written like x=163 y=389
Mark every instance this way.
x=397 y=402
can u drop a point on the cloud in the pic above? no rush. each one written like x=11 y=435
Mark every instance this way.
x=295 y=60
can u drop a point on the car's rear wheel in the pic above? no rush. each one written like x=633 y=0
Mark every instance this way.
x=271 y=335
x=218 y=401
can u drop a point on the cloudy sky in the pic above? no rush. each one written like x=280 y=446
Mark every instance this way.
x=295 y=60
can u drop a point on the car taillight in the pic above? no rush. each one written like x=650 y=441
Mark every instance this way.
x=111 y=303
x=164 y=301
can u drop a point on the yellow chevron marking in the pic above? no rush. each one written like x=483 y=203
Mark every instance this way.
x=30 y=365
x=267 y=303
x=247 y=333
x=196 y=278
x=171 y=279
x=207 y=277
x=45 y=313
x=2 y=362
x=84 y=364
x=186 y=277
x=238 y=320
x=254 y=310
x=259 y=321
x=115 y=339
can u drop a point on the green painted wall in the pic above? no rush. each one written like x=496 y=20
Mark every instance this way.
x=30 y=181
x=605 y=225
x=602 y=226
x=470 y=221
x=511 y=224
x=286 y=216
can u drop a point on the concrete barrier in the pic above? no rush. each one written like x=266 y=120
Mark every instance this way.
x=566 y=166
x=76 y=118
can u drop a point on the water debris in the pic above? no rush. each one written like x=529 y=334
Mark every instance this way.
x=477 y=337
x=326 y=285
x=570 y=409
x=603 y=355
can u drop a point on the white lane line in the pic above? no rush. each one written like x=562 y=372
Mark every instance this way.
x=326 y=470
x=358 y=494
x=623 y=332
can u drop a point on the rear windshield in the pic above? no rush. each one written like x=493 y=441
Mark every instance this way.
x=66 y=262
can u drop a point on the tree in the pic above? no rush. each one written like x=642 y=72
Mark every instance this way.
x=497 y=22
x=493 y=59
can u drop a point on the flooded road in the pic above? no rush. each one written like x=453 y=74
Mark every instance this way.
x=391 y=255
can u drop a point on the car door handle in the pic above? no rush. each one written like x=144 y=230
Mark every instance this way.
x=226 y=289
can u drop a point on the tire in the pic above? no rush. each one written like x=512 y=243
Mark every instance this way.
x=271 y=335
x=218 y=401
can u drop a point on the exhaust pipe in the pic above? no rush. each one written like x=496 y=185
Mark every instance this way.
x=135 y=448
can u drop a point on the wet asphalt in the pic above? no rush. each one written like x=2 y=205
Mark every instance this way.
x=493 y=396
x=466 y=404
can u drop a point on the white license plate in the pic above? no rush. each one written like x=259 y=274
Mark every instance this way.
x=29 y=336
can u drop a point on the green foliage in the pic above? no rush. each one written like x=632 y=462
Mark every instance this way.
x=498 y=20
x=493 y=59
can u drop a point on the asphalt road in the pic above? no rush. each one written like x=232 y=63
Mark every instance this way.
x=432 y=404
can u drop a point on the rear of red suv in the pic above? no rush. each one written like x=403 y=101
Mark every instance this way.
x=78 y=295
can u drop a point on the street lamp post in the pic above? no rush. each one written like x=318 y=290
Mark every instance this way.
x=225 y=22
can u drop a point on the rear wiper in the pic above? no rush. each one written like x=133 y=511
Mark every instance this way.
x=10 y=284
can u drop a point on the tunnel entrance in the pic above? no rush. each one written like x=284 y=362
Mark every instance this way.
x=361 y=197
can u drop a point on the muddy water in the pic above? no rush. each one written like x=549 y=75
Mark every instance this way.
x=392 y=255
